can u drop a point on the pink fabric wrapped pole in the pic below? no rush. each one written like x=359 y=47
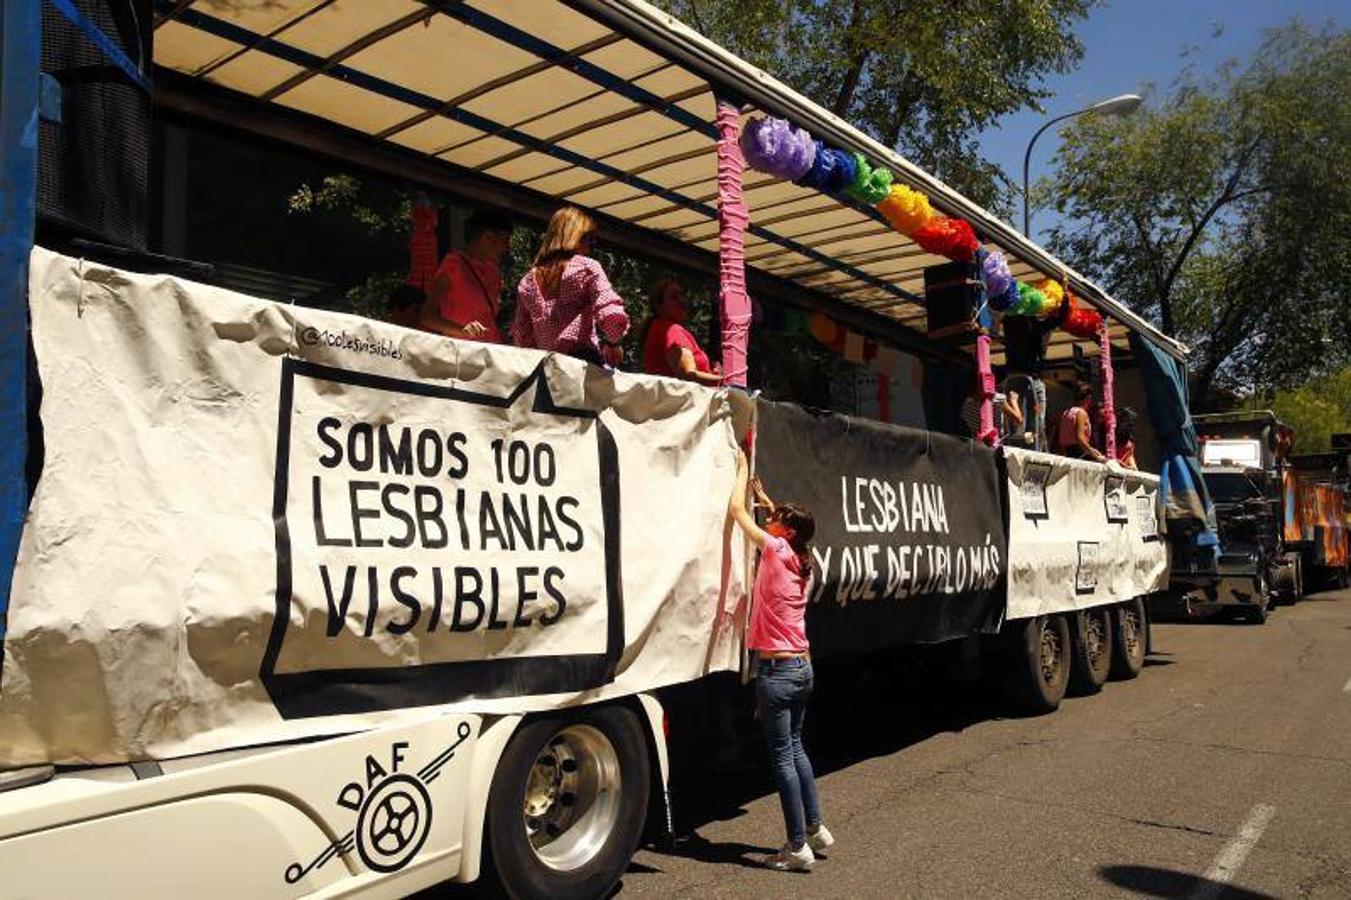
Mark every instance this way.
x=1108 y=393
x=988 y=433
x=732 y=219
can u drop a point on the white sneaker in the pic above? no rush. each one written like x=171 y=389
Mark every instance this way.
x=821 y=839
x=790 y=860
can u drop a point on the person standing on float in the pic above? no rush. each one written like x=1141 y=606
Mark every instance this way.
x=565 y=303
x=466 y=291
x=1025 y=340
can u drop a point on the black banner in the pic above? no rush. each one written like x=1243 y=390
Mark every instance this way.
x=910 y=543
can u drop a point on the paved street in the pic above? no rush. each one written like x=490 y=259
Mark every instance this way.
x=1229 y=759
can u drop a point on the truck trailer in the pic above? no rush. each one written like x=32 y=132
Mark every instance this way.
x=388 y=609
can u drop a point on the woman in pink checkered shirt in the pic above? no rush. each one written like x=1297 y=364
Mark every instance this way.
x=565 y=302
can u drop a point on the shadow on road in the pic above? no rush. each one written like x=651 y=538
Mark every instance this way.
x=1153 y=882
x=857 y=712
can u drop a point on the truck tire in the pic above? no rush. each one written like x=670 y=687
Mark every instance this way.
x=1038 y=663
x=1130 y=639
x=1091 y=650
x=568 y=803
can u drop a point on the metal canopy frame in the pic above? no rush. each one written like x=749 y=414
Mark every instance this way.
x=635 y=143
x=666 y=35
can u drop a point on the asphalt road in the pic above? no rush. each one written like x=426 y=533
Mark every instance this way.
x=1224 y=770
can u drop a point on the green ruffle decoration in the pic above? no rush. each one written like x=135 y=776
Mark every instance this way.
x=870 y=186
x=1030 y=301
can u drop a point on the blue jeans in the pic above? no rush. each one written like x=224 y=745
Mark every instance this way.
x=1039 y=413
x=782 y=689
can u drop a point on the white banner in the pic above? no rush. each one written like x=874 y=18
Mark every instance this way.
x=1081 y=534
x=258 y=522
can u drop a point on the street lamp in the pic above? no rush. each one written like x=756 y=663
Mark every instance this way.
x=1117 y=106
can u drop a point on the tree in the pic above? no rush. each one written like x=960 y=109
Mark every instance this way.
x=1316 y=410
x=1224 y=210
x=924 y=78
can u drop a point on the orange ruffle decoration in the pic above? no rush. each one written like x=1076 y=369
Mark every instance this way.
x=953 y=238
x=906 y=210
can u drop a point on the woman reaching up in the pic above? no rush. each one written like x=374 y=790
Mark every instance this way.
x=783 y=668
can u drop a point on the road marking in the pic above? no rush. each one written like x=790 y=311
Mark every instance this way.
x=1233 y=854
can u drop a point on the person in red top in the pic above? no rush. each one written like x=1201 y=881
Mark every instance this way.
x=466 y=291
x=565 y=302
x=668 y=347
x=783 y=682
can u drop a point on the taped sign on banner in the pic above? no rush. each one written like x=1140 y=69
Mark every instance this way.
x=1114 y=500
x=1146 y=517
x=435 y=543
x=1035 y=478
x=1086 y=574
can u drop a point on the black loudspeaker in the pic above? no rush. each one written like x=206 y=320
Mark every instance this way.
x=952 y=294
x=94 y=135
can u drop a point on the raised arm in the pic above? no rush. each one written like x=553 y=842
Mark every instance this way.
x=737 y=505
x=761 y=497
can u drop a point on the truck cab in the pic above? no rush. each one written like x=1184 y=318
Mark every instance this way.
x=1243 y=461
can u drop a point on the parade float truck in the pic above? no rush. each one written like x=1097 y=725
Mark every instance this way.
x=1281 y=518
x=1245 y=462
x=1317 y=525
x=300 y=603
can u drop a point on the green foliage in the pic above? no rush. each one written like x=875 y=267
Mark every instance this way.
x=921 y=77
x=1224 y=209
x=1317 y=410
x=349 y=196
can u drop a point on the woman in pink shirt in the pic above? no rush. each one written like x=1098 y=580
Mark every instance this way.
x=565 y=302
x=668 y=347
x=783 y=682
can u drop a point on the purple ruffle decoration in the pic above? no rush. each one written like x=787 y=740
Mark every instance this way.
x=822 y=164
x=996 y=275
x=843 y=173
x=775 y=147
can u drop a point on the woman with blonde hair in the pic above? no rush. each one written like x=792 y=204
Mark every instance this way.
x=565 y=302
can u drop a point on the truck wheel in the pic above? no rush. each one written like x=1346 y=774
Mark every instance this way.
x=1130 y=639
x=568 y=803
x=1039 y=663
x=1091 y=649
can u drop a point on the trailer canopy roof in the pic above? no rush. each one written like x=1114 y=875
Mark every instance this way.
x=606 y=104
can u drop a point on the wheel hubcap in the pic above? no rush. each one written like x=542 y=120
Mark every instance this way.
x=572 y=797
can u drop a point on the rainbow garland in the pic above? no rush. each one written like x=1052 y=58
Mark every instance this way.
x=777 y=148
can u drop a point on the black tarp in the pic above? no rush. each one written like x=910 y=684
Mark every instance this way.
x=910 y=543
